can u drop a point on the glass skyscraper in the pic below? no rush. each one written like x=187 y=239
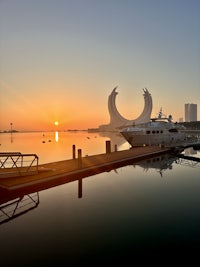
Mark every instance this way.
x=190 y=112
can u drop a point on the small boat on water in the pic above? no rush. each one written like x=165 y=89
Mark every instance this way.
x=158 y=131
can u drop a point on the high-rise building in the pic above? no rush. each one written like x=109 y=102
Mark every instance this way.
x=190 y=112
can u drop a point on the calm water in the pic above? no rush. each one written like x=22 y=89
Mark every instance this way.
x=140 y=210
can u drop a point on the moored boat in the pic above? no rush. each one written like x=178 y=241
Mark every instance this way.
x=158 y=131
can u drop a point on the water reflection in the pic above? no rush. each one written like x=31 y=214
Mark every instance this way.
x=80 y=188
x=116 y=139
x=14 y=208
x=11 y=137
x=159 y=163
x=16 y=203
x=19 y=201
x=165 y=162
x=104 y=218
x=56 y=136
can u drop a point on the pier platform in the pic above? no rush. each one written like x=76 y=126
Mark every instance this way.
x=60 y=172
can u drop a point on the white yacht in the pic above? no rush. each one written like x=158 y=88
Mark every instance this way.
x=158 y=131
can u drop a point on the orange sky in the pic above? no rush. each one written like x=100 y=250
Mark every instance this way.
x=63 y=65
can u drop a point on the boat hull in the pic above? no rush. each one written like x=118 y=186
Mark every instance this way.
x=172 y=139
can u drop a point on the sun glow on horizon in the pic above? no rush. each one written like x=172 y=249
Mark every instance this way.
x=56 y=123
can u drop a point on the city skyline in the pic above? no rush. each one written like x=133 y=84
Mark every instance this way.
x=60 y=60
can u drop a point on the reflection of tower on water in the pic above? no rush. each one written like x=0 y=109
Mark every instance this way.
x=116 y=139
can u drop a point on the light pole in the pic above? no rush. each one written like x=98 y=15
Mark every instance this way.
x=11 y=130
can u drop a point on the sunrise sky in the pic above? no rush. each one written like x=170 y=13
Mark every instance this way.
x=60 y=60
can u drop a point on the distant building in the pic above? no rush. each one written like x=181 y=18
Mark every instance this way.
x=190 y=112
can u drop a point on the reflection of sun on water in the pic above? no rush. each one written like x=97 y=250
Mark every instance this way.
x=56 y=136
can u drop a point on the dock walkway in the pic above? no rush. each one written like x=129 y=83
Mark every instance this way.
x=73 y=168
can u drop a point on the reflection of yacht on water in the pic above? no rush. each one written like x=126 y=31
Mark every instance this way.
x=165 y=162
x=158 y=131
x=159 y=163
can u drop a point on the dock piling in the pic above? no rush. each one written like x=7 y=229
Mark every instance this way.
x=79 y=158
x=108 y=146
x=73 y=151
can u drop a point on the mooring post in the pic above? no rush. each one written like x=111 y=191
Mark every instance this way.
x=73 y=151
x=79 y=158
x=108 y=146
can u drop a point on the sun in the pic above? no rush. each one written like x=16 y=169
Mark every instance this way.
x=56 y=123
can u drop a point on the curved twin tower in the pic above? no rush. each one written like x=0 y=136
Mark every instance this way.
x=118 y=121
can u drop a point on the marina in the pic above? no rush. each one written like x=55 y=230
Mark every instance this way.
x=74 y=168
x=99 y=133
x=18 y=172
x=97 y=200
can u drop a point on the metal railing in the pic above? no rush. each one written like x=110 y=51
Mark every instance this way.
x=16 y=163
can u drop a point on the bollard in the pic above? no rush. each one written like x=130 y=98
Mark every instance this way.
x=108 y=147
x=73 y=151
x=79 y=158
x=115 y=148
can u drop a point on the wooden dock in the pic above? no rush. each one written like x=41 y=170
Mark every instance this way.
x=60 y=172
